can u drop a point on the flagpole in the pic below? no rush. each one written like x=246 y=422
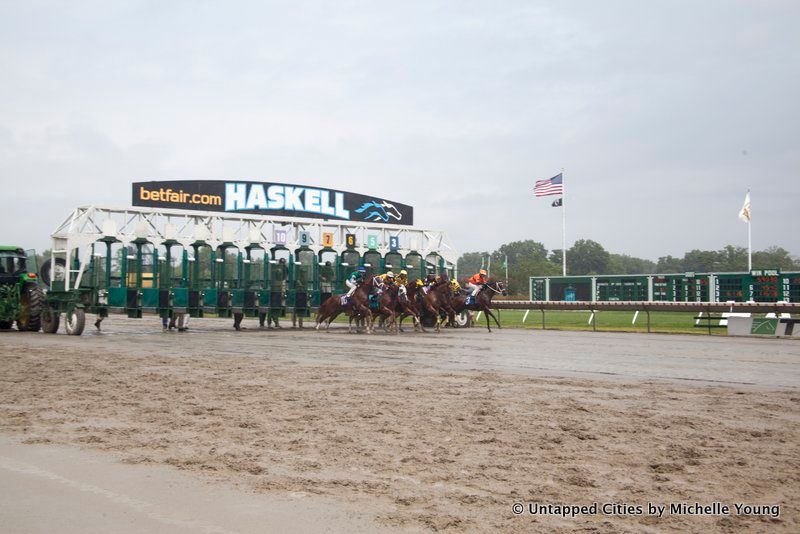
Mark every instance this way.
x=563 y=226
x=506 y=269
x=749 y=240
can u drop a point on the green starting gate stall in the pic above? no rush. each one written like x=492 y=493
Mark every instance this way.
x=754 y=286
x=329 y=273
x=162 y=262
x=414 y=265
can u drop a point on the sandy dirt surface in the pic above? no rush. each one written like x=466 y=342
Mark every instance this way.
x=64 y=489
x=431 y=432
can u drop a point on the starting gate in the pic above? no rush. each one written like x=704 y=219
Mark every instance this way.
x=140 y=261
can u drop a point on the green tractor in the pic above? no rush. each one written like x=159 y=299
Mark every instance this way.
x=21 y=298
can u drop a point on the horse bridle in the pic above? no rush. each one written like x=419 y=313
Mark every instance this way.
x=493 y=289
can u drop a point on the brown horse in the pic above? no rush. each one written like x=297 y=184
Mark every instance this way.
x=407 y=306
x=404 y=306
x=387 y=308
x=437 y=302
x=357 y=306
x=483 y=301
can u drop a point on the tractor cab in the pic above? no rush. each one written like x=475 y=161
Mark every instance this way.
x=12 y=262
x=21 y=298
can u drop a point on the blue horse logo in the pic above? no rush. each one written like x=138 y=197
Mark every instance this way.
x=379 y=211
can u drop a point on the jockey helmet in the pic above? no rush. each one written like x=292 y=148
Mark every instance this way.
x=403 y=273
x=483 y=272
x=389 y=274
x=362 y=269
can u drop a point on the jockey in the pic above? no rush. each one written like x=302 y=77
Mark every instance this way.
x=454 y=285
x=401 y=281
x=385 y=280
x=402 y=278
x=355 y=279
x=477 y=281
x=421 y=289
x=428 y=283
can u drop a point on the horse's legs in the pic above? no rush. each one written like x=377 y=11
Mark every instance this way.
x=386 y=319
x=368 y=321
x=321 y=316
x=330 y=320
x=418 y=322
x=489 y=313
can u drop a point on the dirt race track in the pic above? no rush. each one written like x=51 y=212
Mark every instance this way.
x=415 y=432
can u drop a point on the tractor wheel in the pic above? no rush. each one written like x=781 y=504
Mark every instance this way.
x=464 y=319
x=31 y=301
x=50 y=320
x=59 y=273
x=74 y=321
x=5 y=325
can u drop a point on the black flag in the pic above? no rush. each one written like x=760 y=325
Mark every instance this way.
x=557 y=202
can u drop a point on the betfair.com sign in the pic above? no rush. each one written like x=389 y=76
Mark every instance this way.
x=262 y=198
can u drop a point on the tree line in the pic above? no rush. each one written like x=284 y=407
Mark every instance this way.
x=586 y=257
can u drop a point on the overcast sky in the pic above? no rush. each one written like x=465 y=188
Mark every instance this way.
x=662 y=114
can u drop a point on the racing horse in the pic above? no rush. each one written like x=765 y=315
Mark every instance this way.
x=407 y=306
x=483 y=301
x=387 y=308
x=437 y=302
x=404 y=305
x=357 y=306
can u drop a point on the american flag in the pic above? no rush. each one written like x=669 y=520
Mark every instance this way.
x=553 y=186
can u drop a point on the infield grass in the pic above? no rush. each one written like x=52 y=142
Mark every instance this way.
x=621 y=321
x=610 y=321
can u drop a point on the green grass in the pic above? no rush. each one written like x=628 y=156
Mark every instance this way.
x=670 y=322
x=610 y=321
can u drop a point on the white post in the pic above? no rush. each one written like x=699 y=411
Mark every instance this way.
x=563 y=226
x=746 y=215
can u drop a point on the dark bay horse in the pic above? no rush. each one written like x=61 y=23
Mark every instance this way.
x=437 y=301
x=407 y=306
x=404 y=305
x=387 y=308
x=357 y=306
x=483 y=301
